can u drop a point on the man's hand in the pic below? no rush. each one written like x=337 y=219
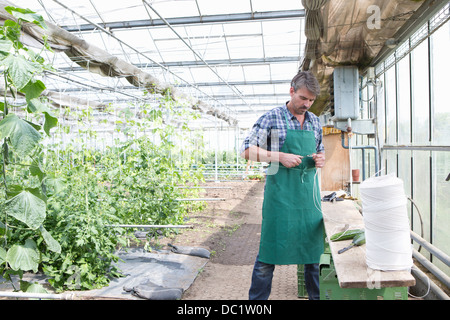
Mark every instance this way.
x=319 y=159
x=290 y=160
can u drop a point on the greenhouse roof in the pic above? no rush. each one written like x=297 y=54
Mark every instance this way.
x=236 y=57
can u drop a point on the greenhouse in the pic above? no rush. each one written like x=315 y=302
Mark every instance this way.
x=172 y=149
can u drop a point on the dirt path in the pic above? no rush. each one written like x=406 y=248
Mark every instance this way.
x=230 y=229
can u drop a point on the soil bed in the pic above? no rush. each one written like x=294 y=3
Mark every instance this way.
x=230 y=229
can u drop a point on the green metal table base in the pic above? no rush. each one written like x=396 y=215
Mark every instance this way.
x=330 y=289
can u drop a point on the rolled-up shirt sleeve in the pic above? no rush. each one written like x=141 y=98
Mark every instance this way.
x=259 y=135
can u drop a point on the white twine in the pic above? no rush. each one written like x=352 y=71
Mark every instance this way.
x=388 y=243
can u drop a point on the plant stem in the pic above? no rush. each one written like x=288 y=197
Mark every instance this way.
x=5 y=155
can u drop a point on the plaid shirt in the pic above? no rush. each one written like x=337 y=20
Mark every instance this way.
x=269 y=131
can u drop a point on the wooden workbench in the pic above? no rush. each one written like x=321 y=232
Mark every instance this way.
x=350 y=266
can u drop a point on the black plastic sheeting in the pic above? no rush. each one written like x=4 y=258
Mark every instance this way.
x=162 y=275
x=192 y=251
x=152 y=291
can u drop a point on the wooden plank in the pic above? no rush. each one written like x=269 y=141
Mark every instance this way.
x=335 y=173
x=351 y=268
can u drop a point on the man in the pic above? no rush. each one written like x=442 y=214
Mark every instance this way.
x=290 y=139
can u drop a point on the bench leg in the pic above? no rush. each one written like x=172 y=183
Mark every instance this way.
x=330 y=289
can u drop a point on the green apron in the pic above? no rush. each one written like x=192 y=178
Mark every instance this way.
x=292 y=226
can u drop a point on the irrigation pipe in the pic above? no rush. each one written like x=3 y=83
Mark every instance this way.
x=149 y=226
x=190 y=199
x=445 y=279
x=187 y=187
x=431 y=248
x=30 y=295
x=200 y=199
x=432 y=286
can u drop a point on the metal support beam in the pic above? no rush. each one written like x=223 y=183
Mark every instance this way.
x=220 y=18
x=198 y=84
x=218 y=62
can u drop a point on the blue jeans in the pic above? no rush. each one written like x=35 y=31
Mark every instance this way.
x=262 y=280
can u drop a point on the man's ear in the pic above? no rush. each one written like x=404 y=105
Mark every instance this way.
x=291 y=91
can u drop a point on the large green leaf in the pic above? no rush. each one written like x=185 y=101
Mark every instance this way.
x=27 y=15
x=13 y=33
x=5 y=46
x=27 y=207
x=23 y=257
x=50 y=122
x=36 y=105
x=33 y=89
x=36 y=170
x=32 y=287
x=24 y=137
x=52 y=244
x=57 y=184
x=20 y=69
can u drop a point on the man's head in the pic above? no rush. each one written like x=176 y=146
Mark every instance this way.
x=304 y=90
x=305 y=79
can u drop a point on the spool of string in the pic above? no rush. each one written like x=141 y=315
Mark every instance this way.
x=388 y=243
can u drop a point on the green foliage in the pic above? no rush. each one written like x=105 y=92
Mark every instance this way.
x=128 y=183
x=79 y=215
x=142 y=185
x=23 y=207
x=61 y=202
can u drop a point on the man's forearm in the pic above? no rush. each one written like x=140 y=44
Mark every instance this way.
x=258 y=154
x=289 y=160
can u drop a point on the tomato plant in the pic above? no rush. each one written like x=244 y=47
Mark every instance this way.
x=80 y=213
x=131 y=182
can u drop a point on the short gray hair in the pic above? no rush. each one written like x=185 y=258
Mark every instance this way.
x=305 y=79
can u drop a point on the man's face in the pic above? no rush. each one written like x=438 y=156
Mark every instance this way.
x=301 y=100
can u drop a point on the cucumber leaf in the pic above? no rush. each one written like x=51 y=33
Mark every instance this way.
x=24 y=137
x=23 y=257
x=27 y=207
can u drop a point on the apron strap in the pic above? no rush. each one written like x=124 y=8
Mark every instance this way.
x=302 y=170
x=286 y=118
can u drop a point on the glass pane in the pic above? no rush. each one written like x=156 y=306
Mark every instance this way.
x=390 y=162
x=391 y=106
x=208 y=7
x=165 y=8
x=404 y=105
x=270 y=5
x=441 y=223
x=257 y=72
x=440 y=53
x=282 y=34
x=230 y=73
x=421 y=195
x=282 y=71
x=420 y=94
x=245 y=47
x=404 y=169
